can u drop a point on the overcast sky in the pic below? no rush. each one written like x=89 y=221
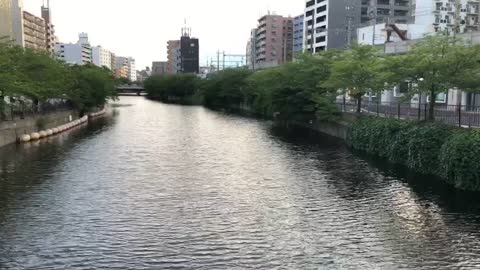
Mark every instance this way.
x=141 y=28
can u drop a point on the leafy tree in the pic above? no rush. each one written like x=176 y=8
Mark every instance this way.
x=227 y=88
x=172 y=88
x=92 y=87
x=357 y=72
x=439 y=63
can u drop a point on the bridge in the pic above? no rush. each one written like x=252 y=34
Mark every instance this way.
x=128 y=90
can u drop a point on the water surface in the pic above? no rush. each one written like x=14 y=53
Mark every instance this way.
x=169 y=187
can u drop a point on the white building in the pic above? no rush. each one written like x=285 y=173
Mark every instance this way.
x=129 y=63
x=102 y=57
x=448 y=15
x=391 y=33
x=79 y=53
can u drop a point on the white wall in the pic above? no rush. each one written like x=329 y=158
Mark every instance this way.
x=102 y=57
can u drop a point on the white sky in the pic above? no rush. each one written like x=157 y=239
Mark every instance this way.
x=141 y=28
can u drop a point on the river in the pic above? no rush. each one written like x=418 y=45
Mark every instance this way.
x=156 y=186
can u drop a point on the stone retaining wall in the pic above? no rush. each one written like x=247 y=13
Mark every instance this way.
x=11 y=130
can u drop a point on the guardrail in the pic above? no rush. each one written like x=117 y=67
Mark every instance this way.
x=19 y=110
x=459 y=115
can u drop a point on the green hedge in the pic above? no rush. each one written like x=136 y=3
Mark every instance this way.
x=435 y=149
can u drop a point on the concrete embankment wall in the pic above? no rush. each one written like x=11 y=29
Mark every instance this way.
x=335 y=129
x=11 y=130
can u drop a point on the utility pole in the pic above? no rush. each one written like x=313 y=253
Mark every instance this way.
x=373 y=14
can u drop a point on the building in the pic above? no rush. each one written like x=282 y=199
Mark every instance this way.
x=388 y=11
x=11 y=22
x=126 y=65
x=34 y=32
x=298 y=31
x=142 y=75
x=251 y=53
x=391 y=33
x=79 y=53
x=334 y=23
x=173 y=56
x=189 y=53
x=122 y=72
x=452 y=16
x=102 y=57
x=159 y=68
x=430 y=16
x=273 y=41
x=51 y=39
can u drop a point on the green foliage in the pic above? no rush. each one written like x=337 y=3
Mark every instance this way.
x=444 y=151
x=358 y=71
x=437 y=64
x=460 y=159
x=35 y=75
x=172 y=88
x=91 y=87
x=227 y=88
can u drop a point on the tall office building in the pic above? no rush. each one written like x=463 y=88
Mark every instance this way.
x=273 y=41
x=11 y=22
x=189 y=53
x=51 y=39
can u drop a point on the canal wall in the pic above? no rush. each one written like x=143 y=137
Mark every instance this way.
x=335 y=129
x=11 y=130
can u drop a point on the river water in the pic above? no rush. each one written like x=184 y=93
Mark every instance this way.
x=158 y=186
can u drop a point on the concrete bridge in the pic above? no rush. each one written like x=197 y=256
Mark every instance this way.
x=128 y=90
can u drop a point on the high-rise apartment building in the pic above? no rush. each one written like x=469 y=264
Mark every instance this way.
x=102 y=57
x=387 y=11
x=189 y=53
x=173 y=56
x=298 y=31
x=51 y=39
x=452 y=16
x=79 y=53
x=127 y=66
x=34 y=33
x=273 y=41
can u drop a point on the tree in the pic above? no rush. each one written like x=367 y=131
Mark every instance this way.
x=226 y=89
x=292 y=91
x=439 y=63
x=358 y=71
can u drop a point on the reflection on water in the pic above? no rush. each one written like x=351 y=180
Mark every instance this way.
x=168 y=187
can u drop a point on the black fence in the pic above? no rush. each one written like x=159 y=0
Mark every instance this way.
x=20 y=110
x=459 y=115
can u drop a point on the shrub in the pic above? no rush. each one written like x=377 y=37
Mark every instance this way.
x=424 y=145
x=460 y=160
x=435 y=149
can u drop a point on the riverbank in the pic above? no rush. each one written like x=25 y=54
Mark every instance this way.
x=11 y=131
x=35 y=128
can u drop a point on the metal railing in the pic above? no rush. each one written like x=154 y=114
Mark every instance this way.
x=21 y=110
x=459 y=115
